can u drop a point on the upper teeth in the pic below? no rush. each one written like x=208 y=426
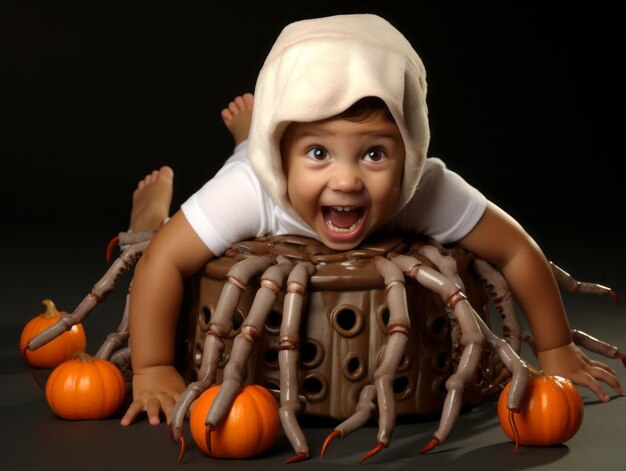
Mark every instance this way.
x=344 y=208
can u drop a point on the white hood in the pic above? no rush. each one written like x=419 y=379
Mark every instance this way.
x=318 y=68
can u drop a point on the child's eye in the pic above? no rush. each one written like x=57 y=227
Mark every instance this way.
x=374 y=155
x=317 y=153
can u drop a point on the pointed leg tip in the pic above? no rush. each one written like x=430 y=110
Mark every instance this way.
x=429 y=446
x=622 y=357
x=372 y=452
x=183 y=448
x=614 y=296
x=331 y=436
x=207 y=437
x=114 y=241
x=298 y=457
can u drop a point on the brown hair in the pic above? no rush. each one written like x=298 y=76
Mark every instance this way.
x=365 y=108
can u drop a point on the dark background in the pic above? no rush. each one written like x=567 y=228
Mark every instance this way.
x=526 y=101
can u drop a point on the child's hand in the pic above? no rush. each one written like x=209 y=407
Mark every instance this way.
x=571 y=363
x=155 y=389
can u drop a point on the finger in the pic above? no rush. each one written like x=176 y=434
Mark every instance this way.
x=133 y=410
x=168 y=404
x=153 y=409
x=588 y=381
x=608 y=378
x=599 y=364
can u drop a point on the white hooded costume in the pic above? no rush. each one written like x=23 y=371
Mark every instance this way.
x=317 y=69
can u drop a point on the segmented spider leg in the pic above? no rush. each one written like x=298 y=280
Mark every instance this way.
x=505 y=349
x=288 y=356
x=397 y=335
x=447 y=266
x=570 y=284
x=219 y=327
x=364 y=410
x=121 y=359
x=114 y=340
x=234 y=375
x=472 y=339
x=597 y=346
x=98 y=294
x=444 y=263
x=503 y=301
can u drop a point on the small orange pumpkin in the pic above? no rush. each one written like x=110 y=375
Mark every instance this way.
x=250 y=428
x=85 y=388
x=58 y=350
x=551 y=411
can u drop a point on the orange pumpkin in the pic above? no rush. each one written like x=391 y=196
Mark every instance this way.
x=250 y=428
x=58 y=350
x=85 y=388
x=550 y=413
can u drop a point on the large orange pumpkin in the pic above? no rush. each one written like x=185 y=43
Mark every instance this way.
x=58 y=350
x=85 y=388
x=551 y=411
x=250 y=428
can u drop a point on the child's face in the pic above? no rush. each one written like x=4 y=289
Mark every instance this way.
x=343 y=177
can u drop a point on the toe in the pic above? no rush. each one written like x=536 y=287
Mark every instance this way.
x=239 y=102
x=227 y=116
x=166 y=171
x=233 y=107
x=248 y=98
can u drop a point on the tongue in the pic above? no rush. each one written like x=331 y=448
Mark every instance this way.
x=343 y=219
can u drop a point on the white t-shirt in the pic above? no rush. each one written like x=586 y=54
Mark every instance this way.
x=233 y=206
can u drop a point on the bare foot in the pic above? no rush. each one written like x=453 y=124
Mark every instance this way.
x=238 y=116
x=151 y=200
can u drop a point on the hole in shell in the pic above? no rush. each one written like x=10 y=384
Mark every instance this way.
x=353 y=366
x=315 y=387
x=274 y=319
x=271 y=384
x=347 y=320
x=382 y=317
x=204 y=318
x=438 y=325
x=404 y=364
x=442 y=360
x=311 y=353
x=400 y=384
x=271 y=357
x=238 y=319
x=402 y=387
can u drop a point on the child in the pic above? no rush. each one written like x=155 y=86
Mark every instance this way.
x=337 y=146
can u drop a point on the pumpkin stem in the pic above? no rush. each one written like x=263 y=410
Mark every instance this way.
x=51 y=309
x=82 y=357
x=183 y=448
x=535 y=372
x=514 y=428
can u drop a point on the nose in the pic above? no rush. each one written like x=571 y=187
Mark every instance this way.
x=346 y=178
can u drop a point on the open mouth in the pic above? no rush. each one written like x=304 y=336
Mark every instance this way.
x=343 y=220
